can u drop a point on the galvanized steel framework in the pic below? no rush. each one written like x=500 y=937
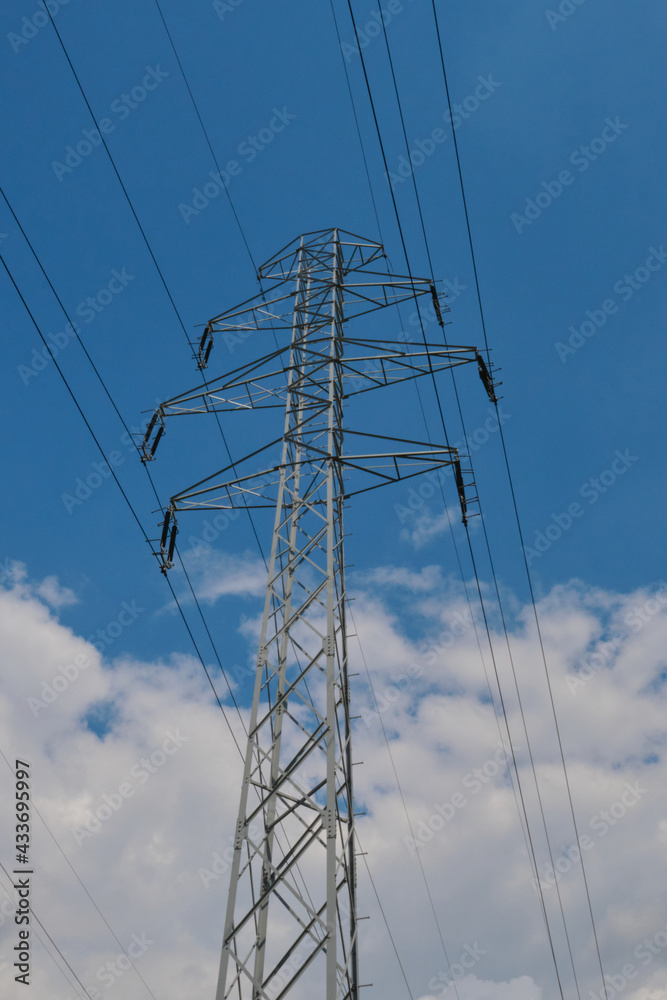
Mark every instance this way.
x=291 y=910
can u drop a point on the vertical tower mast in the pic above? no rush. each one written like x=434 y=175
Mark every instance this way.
x=291 y=922
x=297 y=774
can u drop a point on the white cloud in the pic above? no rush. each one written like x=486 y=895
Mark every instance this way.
x=422 y=527
x=55 y=595
x=472 y=988
x=222 y=574
x=141 y=861
x=427 y=579
x=216 y=574
x=426 y=526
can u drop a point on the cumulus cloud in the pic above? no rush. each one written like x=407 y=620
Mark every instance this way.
x=424 y=526
x=473 y=988
x=145 y=812
x=55 y=595
x=426 y=579
x=215 y=574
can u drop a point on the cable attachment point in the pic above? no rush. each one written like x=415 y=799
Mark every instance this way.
x=460 y=486
x=487 y=378
x=204 y=349
x=147 y=449
x=467 y=491
x=168 y=540
x=436 y=306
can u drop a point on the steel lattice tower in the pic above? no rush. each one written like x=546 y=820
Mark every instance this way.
x=291 y=910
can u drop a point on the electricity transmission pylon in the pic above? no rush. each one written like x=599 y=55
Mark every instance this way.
x=291 y=910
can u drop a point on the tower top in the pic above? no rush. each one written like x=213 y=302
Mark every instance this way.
x=317 y=247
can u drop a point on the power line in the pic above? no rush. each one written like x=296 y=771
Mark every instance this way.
x=502 y=437
x=118 y=483
x=529 y=842
x=208 y=141
x=486 y=624
x=516 y=509
x=141 y=229
x=386 y=923
x=118 y=176
x=405 y=137
x=123 y=422
x=407 y=261
x=356 y=120
x=555 y=717
x=183 y=567
x=145 y=238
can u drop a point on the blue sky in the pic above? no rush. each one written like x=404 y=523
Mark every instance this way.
x=555 y=90
x=563 y=166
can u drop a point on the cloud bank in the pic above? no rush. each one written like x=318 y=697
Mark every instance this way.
x=137 y=777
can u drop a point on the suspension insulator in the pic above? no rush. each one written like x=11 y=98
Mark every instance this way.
x=168 y=540
x=157 y=440
x=436 y=306
x=165 y=528
x=172 y=544
x=148 y=450
x=205 y=347
x=460 y=486
x=485 y=376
